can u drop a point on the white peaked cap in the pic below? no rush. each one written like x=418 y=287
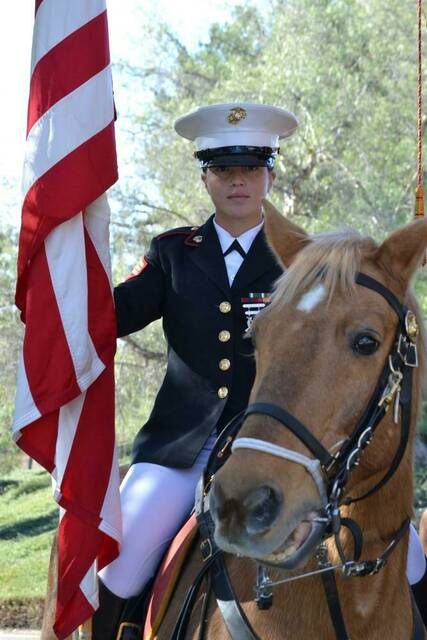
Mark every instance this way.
x=236 y=124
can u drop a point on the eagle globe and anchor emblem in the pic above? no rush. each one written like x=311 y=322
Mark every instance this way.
x=236 y=115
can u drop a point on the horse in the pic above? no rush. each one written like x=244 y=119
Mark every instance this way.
x=319 y=481
x=321 y=347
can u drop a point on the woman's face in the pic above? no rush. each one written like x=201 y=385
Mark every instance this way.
x=237 y=192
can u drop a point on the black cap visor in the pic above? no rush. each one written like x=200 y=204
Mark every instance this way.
x=237 y=156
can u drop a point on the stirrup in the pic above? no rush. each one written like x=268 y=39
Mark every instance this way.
x=129 y=631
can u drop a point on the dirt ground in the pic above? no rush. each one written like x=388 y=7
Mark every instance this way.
x=21 y=614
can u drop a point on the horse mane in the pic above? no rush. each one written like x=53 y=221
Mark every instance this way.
x=331 y=259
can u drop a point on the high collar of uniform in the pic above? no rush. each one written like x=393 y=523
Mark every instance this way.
x=245 y=239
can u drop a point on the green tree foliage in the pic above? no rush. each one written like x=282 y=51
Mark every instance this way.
x=347 y=68
x=10 y=340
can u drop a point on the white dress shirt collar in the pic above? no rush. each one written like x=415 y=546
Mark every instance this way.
x=233 y=261
x=245 y=239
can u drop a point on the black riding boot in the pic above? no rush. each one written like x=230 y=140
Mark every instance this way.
x=419 y=589
x=106 y=619
x=133 y=615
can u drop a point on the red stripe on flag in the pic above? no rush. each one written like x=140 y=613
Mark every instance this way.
x=81 y=549
x=38 y=3
x=100 y=328
x=62 y=192
x=67 y=66
x=48 y=363
x=98 y=409
x=39 y=442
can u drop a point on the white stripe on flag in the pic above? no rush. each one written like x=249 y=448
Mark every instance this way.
x=49 y=32
x=66 y=256
x=89 y=586
x=111 y=522
x=25 y=408
x=97 y=220
x=80 y=115
x=69 y=416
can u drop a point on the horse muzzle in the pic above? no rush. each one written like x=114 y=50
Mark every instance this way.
x=251 y=525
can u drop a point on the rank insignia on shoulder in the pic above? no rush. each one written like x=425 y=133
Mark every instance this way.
x=138 y=268
x=194 y=239
x=253 y=305
x=191 y=237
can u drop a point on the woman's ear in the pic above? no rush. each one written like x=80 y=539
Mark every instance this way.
x=271 y=179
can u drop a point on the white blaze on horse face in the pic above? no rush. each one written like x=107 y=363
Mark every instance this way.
x=311 y=299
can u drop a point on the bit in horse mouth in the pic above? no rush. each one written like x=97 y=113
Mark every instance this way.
x=303 y=539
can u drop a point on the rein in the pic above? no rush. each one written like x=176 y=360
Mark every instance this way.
x=330 y=474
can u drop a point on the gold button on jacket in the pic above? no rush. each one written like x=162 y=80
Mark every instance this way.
x=222 y=392
x=224 y=364
x=225 y=307
x=224 y=336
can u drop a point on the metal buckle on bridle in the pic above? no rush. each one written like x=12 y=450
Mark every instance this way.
x=353 y=569
x=206 y=549
x=411 y=326
x=393 y=386
x=407 y=350
x=263 y=589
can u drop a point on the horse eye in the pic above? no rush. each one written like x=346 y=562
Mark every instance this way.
x=365 y=344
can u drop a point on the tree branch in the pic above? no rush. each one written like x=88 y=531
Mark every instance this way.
x=146 y=353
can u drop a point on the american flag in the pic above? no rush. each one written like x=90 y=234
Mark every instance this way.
x=65 y=393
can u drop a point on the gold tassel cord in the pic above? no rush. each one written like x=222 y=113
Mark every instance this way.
x=419 y=191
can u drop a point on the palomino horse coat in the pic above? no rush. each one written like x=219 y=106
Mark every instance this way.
x=320 y=348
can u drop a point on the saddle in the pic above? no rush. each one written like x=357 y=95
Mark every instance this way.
x=167 y=576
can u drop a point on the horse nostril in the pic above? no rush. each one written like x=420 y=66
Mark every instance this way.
x=262 y=506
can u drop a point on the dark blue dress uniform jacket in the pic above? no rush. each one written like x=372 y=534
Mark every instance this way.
x=184 y=282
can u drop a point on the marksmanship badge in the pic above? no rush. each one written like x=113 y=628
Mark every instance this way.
x=253 y=305
x=236 y=115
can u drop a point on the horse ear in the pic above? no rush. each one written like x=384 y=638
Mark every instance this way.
x=284 y=237
x=402 y=252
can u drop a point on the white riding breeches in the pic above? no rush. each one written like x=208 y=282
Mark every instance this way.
x=155 y=500
x=416 y=561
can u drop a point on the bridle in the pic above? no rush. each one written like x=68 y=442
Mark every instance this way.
x=330 y=474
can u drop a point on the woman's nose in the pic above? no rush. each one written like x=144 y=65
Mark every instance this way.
x=237 y=176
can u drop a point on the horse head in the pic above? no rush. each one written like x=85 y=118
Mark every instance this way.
x=323 y=348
